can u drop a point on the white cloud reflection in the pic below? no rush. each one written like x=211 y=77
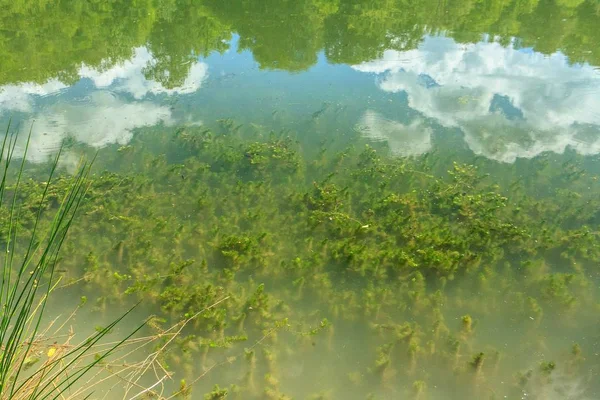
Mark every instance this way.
x=404 y=140
x=509 y=103
x=21 y=97
x=129 y=77
x=100 y=119
x=104 y=116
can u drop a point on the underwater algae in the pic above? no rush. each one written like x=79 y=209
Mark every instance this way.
x=369 y=276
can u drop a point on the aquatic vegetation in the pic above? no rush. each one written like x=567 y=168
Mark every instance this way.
x=276 y=257
x=216 y=394
x=429 y=262
x=30 y=367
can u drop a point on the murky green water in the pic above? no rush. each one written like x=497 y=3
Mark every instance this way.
x=399 y=199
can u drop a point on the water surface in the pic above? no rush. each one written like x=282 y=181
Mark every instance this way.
x=291 y=92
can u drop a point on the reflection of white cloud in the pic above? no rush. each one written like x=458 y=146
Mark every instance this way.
x=549 y=105
x=100 y=120
x=129 y=77
x=103 y=118
x=404 y=140
x=19 y=97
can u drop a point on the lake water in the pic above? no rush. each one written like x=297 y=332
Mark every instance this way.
x=399 y=199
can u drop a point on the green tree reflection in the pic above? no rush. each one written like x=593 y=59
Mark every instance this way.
x=42 y=39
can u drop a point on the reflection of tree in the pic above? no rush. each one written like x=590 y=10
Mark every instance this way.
x=40 y=39
x=363 y=30
x=183 y=32
x=288 y=34
x=282 y=34
x=573 y=28
x=467 y=20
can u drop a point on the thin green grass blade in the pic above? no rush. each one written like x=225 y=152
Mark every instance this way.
x=49 y=257
x=26 y=294
x=7 y=161
x=9 y=289
x=83 y=349
x=13 y=225
x=74 y=199
x=18 y=292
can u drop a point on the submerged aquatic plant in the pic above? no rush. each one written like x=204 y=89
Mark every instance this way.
x=417 y=259
x=28 y=279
